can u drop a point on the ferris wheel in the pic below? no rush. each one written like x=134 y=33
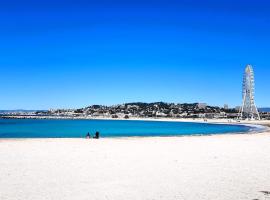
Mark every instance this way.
x=249 y=109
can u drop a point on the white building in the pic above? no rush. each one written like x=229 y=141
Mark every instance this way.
x=201 y=105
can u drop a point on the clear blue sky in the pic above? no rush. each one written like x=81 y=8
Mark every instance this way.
x=70 y=54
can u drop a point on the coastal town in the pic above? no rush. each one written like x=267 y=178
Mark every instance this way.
x=135 y=100
x=138 y=110
x=141 y=110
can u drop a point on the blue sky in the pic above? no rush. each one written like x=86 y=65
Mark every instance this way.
x=70 y=54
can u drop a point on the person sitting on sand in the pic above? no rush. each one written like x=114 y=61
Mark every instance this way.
x=97 y=135
x=88 y=136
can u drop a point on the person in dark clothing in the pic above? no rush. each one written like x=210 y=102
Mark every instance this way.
x=88 y=136
x=97 y=135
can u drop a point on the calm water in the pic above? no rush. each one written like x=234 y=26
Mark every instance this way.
x=26 y=128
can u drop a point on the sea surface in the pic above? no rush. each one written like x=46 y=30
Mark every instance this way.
x=39 y=128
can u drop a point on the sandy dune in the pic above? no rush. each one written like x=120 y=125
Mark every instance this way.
x=222 y=167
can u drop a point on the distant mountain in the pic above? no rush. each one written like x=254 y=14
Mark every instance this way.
x=264 y=109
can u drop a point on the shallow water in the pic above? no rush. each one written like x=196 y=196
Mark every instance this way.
x=35 y=128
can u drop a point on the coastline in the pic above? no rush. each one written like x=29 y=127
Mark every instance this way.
x=195 y=120
x=222 y=166
x=225 y=167
x=258 y=126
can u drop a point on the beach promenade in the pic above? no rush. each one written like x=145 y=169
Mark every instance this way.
x=214 y=167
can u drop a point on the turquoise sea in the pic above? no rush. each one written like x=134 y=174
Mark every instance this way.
x=28 y=128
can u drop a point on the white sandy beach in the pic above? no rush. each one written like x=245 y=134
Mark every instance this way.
x=220 y=167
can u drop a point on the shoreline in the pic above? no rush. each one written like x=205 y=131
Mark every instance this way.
x=220 y=166
x=195 y=120
x=256 y=127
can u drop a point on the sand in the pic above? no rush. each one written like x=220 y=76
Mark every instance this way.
x=215 y=167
